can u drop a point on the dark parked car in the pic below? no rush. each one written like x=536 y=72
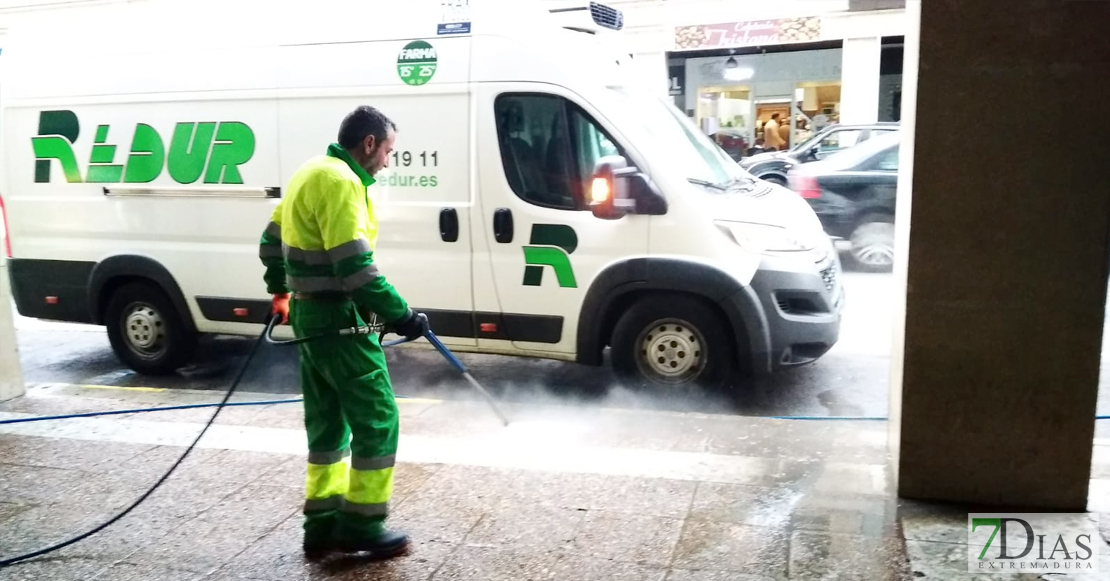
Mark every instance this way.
x=853 y=193
x=773 y=166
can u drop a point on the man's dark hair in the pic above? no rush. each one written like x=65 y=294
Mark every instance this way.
x=361 y=122
x=775 y=116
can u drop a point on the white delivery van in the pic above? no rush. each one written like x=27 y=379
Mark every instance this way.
x=539 y=202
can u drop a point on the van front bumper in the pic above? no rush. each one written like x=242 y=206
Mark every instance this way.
x=801 y=302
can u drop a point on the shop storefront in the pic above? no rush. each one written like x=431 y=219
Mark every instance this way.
x=773 y=82
x=773 y=100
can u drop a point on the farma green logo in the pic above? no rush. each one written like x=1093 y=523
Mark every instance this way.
x=210 y=148
x=416 y=64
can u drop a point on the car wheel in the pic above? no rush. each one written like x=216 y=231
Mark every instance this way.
x=672 y=342
x=775 y=179
x=872 y=246
x=145 y=330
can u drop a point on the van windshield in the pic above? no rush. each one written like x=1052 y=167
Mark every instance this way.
x=702 y=159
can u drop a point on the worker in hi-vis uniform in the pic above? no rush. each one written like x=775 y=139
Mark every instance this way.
x=320 y=245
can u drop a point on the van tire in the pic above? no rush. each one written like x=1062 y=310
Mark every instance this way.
x=687 y=338
x=145 y=330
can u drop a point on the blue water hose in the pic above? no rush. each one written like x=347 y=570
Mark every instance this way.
x=268 y=334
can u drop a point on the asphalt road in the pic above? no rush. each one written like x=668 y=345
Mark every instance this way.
x=850 y=380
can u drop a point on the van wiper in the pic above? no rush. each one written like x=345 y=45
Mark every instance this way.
x=740 y=181
x=707 y=184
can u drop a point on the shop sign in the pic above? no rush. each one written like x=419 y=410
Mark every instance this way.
x=748 y=33
x=677 y=74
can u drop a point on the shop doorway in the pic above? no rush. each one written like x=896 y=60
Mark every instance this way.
x=773 y=132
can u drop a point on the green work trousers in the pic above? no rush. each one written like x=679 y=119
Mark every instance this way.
x=351 y=418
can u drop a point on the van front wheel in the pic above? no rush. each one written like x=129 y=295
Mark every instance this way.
x=145 y=330
x=672 y=342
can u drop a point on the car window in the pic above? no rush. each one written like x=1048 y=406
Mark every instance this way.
x=536 y=152
x=882 y=131
x=887 y=160
x=838 y=140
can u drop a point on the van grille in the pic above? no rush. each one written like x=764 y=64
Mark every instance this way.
x=606 y=16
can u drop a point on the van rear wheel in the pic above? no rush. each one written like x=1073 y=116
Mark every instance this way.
x=672 y=342
x=145 y=330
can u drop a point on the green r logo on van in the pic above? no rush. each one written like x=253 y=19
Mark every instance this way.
x=550 y=245
x=213 y=149
x=417 y=63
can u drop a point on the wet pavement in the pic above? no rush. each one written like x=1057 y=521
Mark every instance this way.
x=578 y=492
x=592 y=481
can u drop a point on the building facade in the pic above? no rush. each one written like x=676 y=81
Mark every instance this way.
x=731 y=65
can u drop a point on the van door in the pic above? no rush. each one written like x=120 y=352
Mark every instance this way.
x=422 y=201
x=543 y=246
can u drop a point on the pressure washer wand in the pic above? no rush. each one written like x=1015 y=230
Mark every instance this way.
x=366 y=330
x=454 y=361
x=458 y=365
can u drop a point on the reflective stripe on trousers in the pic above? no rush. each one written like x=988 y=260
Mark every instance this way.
x=361 y=486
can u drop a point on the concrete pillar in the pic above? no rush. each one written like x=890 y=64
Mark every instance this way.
x=859 y=80
x=1008 y=253
x=11 y=376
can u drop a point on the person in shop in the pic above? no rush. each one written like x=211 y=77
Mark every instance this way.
x=772 y=137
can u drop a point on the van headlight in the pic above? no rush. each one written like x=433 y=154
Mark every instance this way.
x=763 y=238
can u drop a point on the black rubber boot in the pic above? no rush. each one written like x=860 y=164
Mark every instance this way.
x=384 y=546
x=316 y=550
x=319 y=534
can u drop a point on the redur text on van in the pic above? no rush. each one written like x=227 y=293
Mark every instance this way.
x=213 y=149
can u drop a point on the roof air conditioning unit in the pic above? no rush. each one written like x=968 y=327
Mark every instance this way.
x=590 y=18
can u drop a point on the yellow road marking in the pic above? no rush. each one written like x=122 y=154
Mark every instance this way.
x=417 y=400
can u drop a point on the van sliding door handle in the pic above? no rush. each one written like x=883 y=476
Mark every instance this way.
x=449 y=225
x=503 y=225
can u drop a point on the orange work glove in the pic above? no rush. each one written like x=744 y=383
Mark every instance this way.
x=280 y=306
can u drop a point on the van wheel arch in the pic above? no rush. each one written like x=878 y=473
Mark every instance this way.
x=118 y=271
x=622 y=285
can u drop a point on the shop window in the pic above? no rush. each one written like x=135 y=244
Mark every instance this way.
x=725 y=114
x=549 y=148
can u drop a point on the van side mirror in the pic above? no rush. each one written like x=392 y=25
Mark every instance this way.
x=618 y=189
